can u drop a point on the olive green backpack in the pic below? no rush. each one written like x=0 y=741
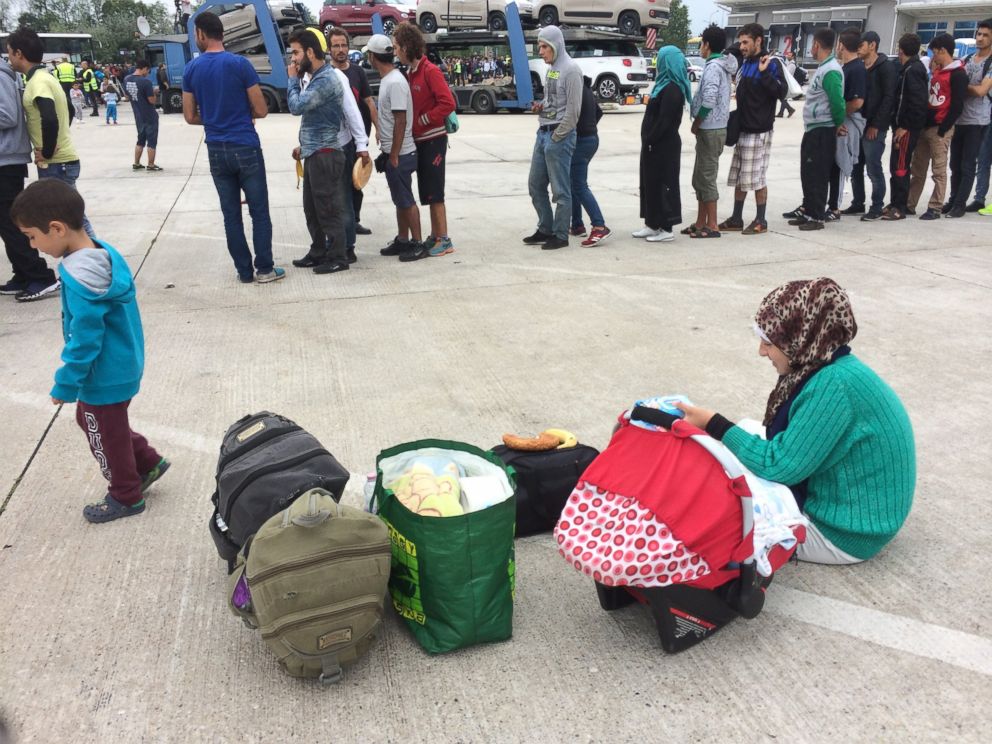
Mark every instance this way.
x=313 y=580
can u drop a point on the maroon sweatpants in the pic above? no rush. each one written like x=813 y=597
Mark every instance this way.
x=123 y=455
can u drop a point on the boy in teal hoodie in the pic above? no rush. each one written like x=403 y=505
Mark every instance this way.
x=104 y=353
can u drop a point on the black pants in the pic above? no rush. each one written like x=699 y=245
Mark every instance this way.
x=27 y=263
x=965 y=144
x=857 y=179
x=816 y=155
x=785 y=105
x=357 y=197
x=67 y=87
x=900 y=167
x=94 y=97
x=324 y=204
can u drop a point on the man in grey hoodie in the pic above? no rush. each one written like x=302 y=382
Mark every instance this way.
x=32 y=278
x=551 y=162
x=710 y=111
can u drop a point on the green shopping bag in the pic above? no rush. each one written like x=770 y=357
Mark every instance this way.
x=452 y=578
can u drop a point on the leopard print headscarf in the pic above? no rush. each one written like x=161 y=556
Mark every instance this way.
x=808 y=320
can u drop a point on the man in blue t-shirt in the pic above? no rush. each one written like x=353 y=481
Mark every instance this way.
x=221 y=92
x=142 y=94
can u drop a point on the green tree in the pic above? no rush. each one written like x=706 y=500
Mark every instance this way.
x=677 y=31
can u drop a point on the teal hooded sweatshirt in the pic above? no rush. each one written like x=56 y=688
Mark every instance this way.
x=104 y=352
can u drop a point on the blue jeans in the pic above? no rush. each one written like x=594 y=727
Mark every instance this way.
x=237 y=168
x=870 y=160
x=585 y=149
x=66 y=173
x=984 y=165
x=551 y=164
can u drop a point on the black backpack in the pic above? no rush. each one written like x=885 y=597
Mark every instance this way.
x=266 y=461
x=545 y=480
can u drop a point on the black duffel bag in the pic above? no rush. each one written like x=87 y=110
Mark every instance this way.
x=544 y=482
x=266 y=461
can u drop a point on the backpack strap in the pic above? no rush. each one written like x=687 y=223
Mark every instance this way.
x=330 y=669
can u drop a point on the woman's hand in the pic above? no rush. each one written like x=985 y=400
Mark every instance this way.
x=698 y=417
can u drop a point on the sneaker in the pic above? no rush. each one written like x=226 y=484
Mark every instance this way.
x=975 y=206
x=360 y=229
x=442 y=248
x=832 y=215
x=986 y=211
x=930 y=214
x=855 y=209
x=154 y=474
x=270 y=276
x=795 y=214
x=578 y=232
x=956 y=212
x=429 y=242
x=396 y=247
x=537 y=238
x=597 y=236
x=645 y=232
x=800 y=220
x=39 y=291
x=809 y=225
x=416 y=252
x=661 y=236
x=13 y=287
x=307 y=262
x=554 y=243
x=330 y=267
x=946 y=208
x=871 y=215
x=110 y=509
x=137 y=166
x=350 y=255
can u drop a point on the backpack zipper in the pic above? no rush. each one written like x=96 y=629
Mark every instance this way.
x=286 y=627
x=315 y=559
x=266 y=436
x=267 y=470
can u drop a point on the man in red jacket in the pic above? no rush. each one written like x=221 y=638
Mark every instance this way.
x=432 y=103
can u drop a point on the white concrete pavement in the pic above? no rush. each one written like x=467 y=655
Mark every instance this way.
x=120 y=633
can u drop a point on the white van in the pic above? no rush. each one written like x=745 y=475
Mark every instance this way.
x=435 y=14
x=615 y=67
x=628 y=16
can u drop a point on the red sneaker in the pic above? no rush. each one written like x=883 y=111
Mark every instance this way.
x=597 y=236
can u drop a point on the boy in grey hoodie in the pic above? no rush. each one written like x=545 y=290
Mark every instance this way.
x=710 y=111
x=32 y=278
x=552 y=158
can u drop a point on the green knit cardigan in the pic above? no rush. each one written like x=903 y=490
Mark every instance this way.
x=849 y=434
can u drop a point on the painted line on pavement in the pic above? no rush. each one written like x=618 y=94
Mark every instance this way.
x=666 y=278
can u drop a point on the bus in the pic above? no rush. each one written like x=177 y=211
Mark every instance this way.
x=692 y=46
x=74 y=47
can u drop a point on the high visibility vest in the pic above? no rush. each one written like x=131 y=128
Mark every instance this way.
x=89 y=80
x=65 y=72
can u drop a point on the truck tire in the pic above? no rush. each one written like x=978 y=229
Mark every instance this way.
x=548 y=16
x=629 y=23
x=536 y=85
x=173 y=102
x=428 y=23
x=483 y=102
x=271 y=100
x=608 y=88
x=497 y=22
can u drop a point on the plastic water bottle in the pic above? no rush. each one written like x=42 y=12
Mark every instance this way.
x=369 y=491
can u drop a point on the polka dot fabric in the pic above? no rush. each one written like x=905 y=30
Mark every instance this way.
x=617 y=542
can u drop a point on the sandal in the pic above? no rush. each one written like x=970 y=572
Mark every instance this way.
x=705 y=232
x=154 y=168
x=892 y=215
x=154 y=474
x=110 y=509
x=730 y=225
x=756 y=228
x=691 y=230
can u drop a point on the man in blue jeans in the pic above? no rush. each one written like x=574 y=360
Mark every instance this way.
x=882 y=76
x=221 y=91
x=552 y=159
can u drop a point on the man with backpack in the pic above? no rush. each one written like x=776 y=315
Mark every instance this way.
x=760 y=86
x=877 y=111
x=848 y=141
x=909 y=115
x=969 y=132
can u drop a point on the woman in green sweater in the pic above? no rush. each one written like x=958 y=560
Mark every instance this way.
x=838 y=436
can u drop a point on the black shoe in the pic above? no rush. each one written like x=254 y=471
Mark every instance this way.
x=795 y=214
x=39 y=291
x=352 y=258
x=871 y=215
x=554 y=243
x=330 y=267
x=975 y=206
x=360 y=229
x=416 y=252
x=13 y=287
x=811 y=225
x=800 y=220
x=910 y=211
x=930 y=214
x=947 y=208
x=307 y=262
x=956 y=212
x=395 y=248
x=537 y=238
x=854 y=209
x=832 y=215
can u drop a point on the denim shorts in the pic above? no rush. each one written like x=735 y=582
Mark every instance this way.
x=400 y=181
x=148 y=133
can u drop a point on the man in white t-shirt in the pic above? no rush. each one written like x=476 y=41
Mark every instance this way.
x=398 y=148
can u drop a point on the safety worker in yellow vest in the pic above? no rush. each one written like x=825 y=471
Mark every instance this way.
x=65 y=73
x=91 y=87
